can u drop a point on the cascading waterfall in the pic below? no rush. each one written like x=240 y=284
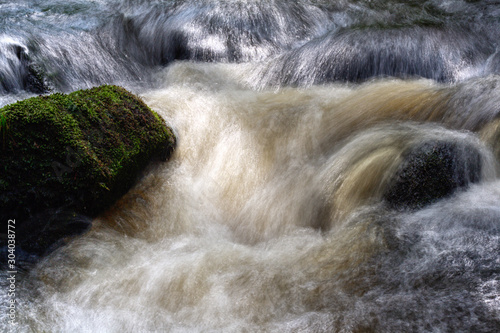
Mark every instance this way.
x=336 y=169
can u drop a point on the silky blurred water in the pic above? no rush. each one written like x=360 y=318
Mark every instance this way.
x=286 y=205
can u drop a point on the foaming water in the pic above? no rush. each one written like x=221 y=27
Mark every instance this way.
x=64 y=46
x=336 y=168
x=273 y=216
x=208 y=30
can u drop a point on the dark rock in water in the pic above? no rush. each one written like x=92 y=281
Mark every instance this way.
x=67 y=156
x=18 y=72
x=431 y=171
x=32 y=79
x=49 y=229
x=360 y=54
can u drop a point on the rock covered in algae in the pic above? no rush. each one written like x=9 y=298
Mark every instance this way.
x=67 y=156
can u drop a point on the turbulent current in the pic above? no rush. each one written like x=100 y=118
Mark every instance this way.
x=336 y=169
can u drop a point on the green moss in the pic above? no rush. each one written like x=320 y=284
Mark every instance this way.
x=80 y=151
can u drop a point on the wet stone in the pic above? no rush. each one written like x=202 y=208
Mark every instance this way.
x=431 y=171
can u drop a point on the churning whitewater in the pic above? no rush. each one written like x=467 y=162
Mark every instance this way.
x=336 y=169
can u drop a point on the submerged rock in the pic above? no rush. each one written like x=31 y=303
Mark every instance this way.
x=431 y=171
x=65 y=158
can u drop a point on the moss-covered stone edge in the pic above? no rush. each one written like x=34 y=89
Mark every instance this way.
x=78 y=152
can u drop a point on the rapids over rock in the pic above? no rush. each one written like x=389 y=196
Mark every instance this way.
x=336 y=169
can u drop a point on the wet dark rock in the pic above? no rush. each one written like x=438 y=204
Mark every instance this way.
x=431 y=171
x=19 y=72
x=360 y=54
x=67 y=158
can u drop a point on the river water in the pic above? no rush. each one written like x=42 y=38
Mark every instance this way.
x=303 y=195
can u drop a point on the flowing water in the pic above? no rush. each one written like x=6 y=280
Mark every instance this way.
x=336 y=169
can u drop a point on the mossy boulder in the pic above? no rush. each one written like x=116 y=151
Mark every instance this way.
x=64 y=157
x=431 y=171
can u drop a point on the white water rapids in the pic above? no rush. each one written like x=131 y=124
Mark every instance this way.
x=336 y=169
x=270 y=217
